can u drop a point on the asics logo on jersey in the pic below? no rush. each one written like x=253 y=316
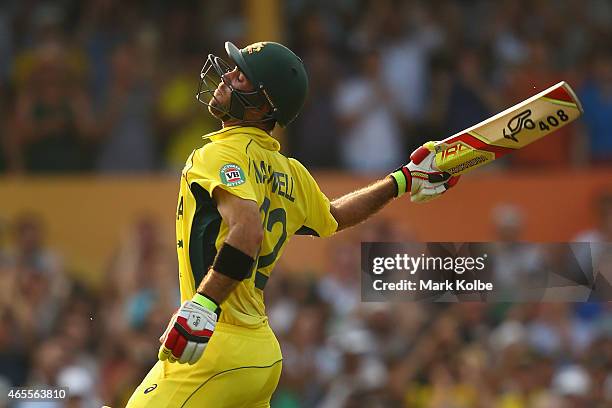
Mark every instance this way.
x=151 y=388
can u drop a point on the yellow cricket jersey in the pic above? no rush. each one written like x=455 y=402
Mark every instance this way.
x=246 y=162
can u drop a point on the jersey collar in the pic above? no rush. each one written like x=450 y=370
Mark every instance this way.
x=258 y=135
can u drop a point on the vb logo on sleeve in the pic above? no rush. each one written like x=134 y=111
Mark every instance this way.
x=232 y=175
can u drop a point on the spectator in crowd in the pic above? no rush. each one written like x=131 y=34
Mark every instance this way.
x=313 y=138
x=14 y=358
x=408 y=34
x=127 y=143
x=593 y=247
x=359 y=370
x=102 y=26
x=307 y=356
x=461 y=95
x=338 y=287
x=534 y=73
x=371 y=139
x=602 y=232
x=596 y=97
x=53 y=124
x=573 y=385
x=34 y=284
x=181 y=122
x=140 y=278
x=517 y=267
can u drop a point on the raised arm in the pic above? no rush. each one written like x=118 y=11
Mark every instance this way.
x=420 y=177
x=355 y=207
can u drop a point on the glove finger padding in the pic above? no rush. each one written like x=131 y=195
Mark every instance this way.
x=165 y=350
x=427 y=193
x=452 y=181
x=179 y=347
x=198 y=352
x=189 y=331
x=420 y=154
x=162 y=338
x=188 y=352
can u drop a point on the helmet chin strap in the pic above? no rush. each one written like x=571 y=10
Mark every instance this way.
x=236 y=108
x=241 y=101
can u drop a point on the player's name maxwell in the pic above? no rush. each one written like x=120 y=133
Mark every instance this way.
x=282 y=184
x=459 y=284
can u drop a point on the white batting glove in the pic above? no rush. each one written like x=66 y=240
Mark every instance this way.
x=422 y=177
x=189 y=330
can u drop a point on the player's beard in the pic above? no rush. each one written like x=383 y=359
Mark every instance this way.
x=216 y=108
x=219 y=108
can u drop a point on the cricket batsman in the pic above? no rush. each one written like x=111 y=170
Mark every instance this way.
x=240 y=201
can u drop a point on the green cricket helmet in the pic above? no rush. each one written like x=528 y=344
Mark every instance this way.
x=277 y=74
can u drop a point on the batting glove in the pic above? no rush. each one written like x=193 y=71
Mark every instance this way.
x=422 y=177
x=189 y=330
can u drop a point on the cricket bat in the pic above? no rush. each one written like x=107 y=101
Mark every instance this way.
x=512 y=129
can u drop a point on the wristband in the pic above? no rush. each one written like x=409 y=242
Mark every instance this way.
x=205 y=302
x=403 y=180
x=233 y=263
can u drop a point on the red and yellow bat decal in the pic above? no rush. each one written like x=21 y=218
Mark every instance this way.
x=509 y=130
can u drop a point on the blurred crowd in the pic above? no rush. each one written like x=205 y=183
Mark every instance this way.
x=108 y=86
x=339 y=352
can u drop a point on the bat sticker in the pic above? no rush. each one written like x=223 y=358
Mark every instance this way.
x=516 y=124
